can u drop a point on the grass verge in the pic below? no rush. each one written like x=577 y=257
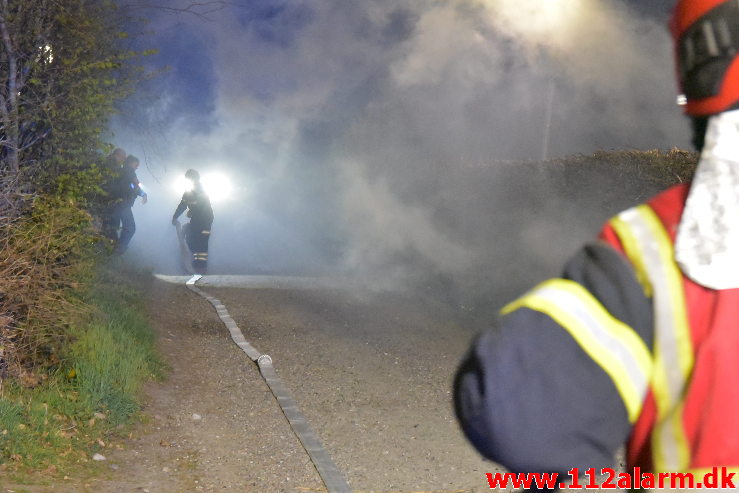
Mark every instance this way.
x=83 y=404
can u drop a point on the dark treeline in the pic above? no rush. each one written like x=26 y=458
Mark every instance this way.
x=64 y=65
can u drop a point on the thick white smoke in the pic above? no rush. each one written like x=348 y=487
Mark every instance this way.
x=350 y=128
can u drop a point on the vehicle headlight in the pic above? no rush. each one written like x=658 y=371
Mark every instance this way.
x=217 y=186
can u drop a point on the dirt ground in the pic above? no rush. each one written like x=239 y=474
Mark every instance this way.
x=372 y=374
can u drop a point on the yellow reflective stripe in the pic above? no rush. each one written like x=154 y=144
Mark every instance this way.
x=673 y=350
x=630 y=244
x=677 y=307
x=613 y=345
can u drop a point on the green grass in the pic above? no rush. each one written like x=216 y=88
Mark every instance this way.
x=92 y=393
x=110 y=362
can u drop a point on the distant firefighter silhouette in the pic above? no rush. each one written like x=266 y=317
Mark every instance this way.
x=126 y=188
x=197 y=231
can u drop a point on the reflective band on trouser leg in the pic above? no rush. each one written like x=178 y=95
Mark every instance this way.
x=648 y=246
x=613 y=345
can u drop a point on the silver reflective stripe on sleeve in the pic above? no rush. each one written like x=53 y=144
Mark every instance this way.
x=613 y=345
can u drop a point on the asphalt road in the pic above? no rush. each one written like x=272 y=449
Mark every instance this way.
x=371 y=372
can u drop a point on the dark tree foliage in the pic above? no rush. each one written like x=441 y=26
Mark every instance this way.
x=63 y=66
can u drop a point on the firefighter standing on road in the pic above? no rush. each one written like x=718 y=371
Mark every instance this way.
x=638 y=342
x=197 y=232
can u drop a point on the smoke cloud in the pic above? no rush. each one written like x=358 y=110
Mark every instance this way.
x=373 y=138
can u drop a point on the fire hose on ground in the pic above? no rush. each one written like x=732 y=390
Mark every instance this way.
x=327 y=470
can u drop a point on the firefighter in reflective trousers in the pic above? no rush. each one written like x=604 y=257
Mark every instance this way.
x=197 y=231
x=637 y=344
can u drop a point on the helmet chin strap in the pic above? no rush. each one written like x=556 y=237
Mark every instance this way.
x=707 y=243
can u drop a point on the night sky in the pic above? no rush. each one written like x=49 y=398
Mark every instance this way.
x=329 y=113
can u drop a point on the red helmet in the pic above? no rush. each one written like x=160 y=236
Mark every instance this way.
x=706 y=34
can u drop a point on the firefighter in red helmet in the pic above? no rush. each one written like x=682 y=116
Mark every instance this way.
x=636 y=344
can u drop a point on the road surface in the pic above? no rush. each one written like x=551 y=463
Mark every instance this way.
x=371 y=372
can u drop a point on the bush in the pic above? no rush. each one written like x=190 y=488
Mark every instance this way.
x=93 y=388
x=47 y=260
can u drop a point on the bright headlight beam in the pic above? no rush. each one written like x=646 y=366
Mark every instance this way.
x=181 y=185
x=217 y=186
x=552 y=23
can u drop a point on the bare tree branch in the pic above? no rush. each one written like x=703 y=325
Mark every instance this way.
x=201 y=10
x=10 y=107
